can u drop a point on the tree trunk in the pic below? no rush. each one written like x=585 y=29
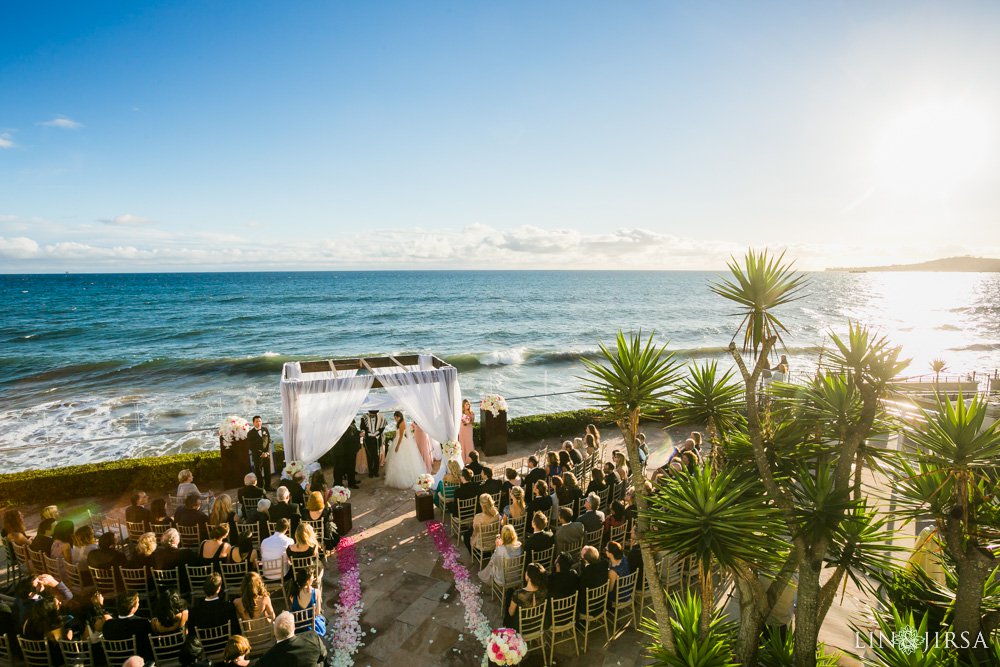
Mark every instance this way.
x=707 y=598
x=973 y=571
x=629 y=429
x=753 y=602
x=807 y=616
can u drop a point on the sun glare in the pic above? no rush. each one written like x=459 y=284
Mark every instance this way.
x=933 y=149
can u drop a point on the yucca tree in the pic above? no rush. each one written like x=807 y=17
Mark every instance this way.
x=694 y=648
x=938 y=366
x=954 y=480
x=632 y=380
x=711 y=398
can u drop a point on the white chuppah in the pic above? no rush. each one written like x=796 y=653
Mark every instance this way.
x=320 y=399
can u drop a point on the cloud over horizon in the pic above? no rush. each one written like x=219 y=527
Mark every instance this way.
x=62 y=122
x=127 y=219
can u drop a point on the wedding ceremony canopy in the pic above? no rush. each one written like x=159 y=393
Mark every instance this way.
x=319 y=399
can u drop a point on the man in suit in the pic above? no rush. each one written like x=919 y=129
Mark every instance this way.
x=291 y=650
x=284 y=509
x=297 y=495
x=467 y=489
x=593 y=573
x=128 y=625
x=373 y=435
x=259 y=444
x=213 y=611
x=574 y=454
x=107 y=555
x=591 y=517
x=540 y=539
x=191 y=515
x=169 y=556
x=474 y=465
x=490 y=485
x=249 y=490
x=137 y=512
x=569 y=531
x=345 y=454
x=533 y=475
x=42 y=541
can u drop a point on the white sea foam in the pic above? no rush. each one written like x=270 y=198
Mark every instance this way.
x=509 y=357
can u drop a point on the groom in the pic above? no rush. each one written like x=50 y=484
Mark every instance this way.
x=373 y=435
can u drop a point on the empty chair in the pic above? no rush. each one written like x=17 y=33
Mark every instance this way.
x=190 y=536
x=544 y=557
x=78 y=653
x=135 y=530
x=105 y=581
x=137 y=580
x=593 y=538
x=232 y=575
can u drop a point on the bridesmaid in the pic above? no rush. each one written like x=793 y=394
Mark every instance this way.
x=465 y=433
x=423 y=445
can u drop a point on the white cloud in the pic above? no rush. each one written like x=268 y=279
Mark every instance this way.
x=127 y=219
x=18 y=247
x=63 y=123
x=6 y=141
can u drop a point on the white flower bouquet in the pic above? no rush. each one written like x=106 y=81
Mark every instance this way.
x=425 y=482
x=451 y=449
x=292 y=467
x=494 y=404
x=233 y=428
x=340 y=495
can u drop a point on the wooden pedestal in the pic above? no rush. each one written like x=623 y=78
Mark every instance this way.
x=424 y=503
x=494 y=432
x=342 y=517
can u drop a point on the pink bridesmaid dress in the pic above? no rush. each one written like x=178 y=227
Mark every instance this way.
x=465 y=437
x=423 y=445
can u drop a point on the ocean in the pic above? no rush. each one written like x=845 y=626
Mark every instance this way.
x=88 y=363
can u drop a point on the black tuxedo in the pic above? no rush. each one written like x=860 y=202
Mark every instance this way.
x=538 y=542
x=305 y=650
x=465 y=491
x=131 y=626
x=288 y=511
x=345 y=454
x=492 y=486
x=137 y=514
x=296 y=495
x=373 y=432
x=213 y=613
x=476 y=467
x=259 y=444
x=533 y=476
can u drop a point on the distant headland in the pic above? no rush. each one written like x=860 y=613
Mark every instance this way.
x=952 y=264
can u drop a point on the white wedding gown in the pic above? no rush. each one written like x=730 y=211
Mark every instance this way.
x=404 y=466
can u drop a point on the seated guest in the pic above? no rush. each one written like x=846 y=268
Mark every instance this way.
x=563 y=581
x=170 y=613
x=274 y=548
x=296 y=490
x=42 y=542
x=215 y=549
x=285 y=509
x=590 y=444
x=511 y=479
x=575 y=457
x=487 y=514
x=318 y=510
x=249 y=490
x=640 y=441
x=541 y=537
x=223 y=513
x=136 y=512
x=262 y=516
x=127 y=625
x=569 y=531
x=593 y=573
x=534 y=593
x=84 y=541
x=49 y=512
x=555 y=487
x=467 y=489
x=62 y=541
x=317 y=483
x=305 y=545
x=618 y=566
x=507 y=546
x=142 y=555
x=32 y=591
x=534 y=473
x=186 y=485
x=474 y=465
x=634 y=555
x=214 y=610
x=612 y=480
x=570 y=492
x=169 y=556
x=565 y=461
x=552 y=466
x=14 y=529
x=192 y=653
x=452 y=475
x=591 y=517
x=44 y=621
x=237 y=652
x=616 y=517
x=303 y=596
x=490 y=485
x=254 y=600
x=158 y=514
x=597 y=483
x=291 y=650
x=191 y=515
x=243 y=550
x=542 y=499
x=620 y=465
x=107 y=555
x=516 y=508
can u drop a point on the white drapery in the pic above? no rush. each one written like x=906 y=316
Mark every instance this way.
x=315 y=413
x=432 y=399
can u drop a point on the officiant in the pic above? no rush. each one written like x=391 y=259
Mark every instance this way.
x=345 y=453
x=259 y=444
x=373 y=436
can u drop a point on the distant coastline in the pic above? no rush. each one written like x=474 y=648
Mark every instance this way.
x=947 y=264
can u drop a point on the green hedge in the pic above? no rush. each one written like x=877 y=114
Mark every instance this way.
x=159 y=474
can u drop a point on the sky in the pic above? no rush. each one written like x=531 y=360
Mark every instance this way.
x=214 y=136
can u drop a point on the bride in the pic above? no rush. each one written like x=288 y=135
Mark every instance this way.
x=403 y=461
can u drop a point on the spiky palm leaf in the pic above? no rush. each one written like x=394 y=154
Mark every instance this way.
x=759 y=286
x=691 y=648
x=866 y=356
x=706 y=397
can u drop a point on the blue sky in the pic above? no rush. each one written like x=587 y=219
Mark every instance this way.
x=214 y=136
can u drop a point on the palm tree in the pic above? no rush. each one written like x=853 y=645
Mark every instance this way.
x=709 y=398
x=938 y=366
x=628 y=382
x=954 y=480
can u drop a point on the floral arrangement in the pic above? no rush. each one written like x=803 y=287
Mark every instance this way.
x=346 y=636
x=494 y=404
x=451 y=449
x=466 y=419
x=468 y=591
x=505 y=647
x=340 y=495
x=233 y=428
x=425 y=482
x=292 y=467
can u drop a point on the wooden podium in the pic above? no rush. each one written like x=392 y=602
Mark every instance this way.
x=235 y=462
x=424 y=505
x=494 y=432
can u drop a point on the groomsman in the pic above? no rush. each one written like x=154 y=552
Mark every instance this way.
x=259 y=443
x=372 y=435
